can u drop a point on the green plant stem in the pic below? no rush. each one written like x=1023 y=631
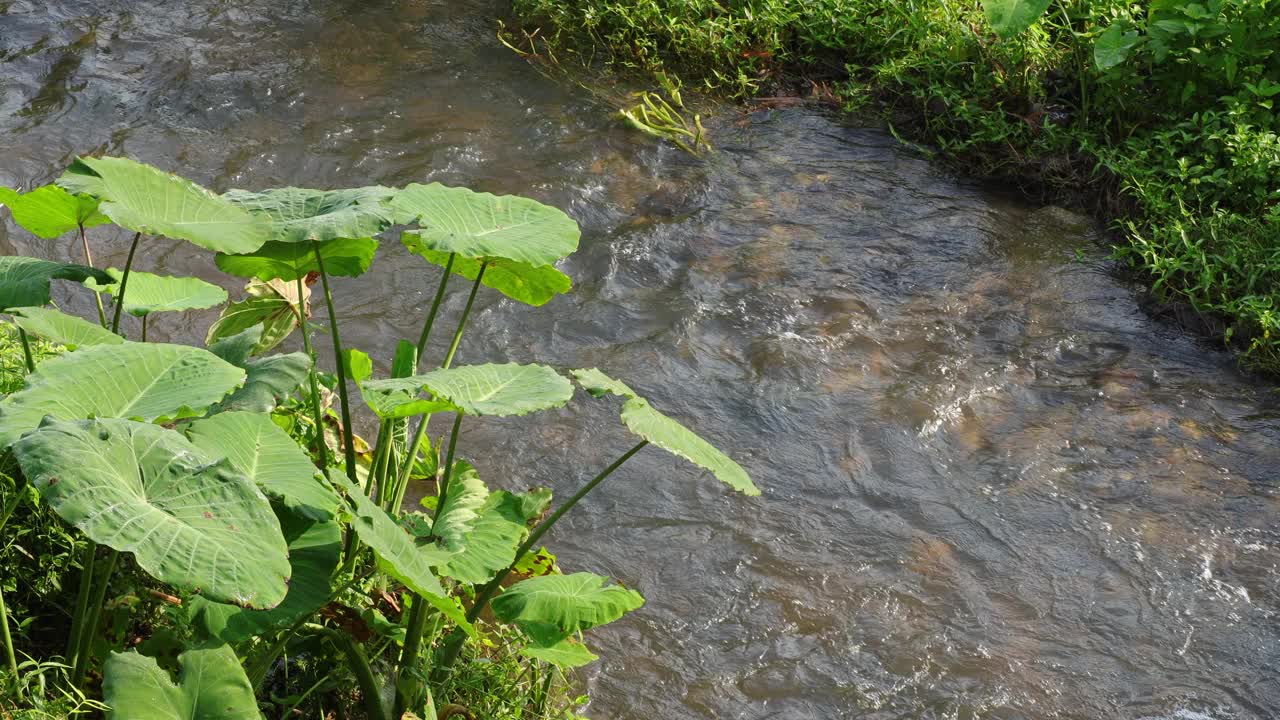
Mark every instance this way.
x=418 y=613
x=90 y=627
x=10 y=654
x=435 y=308
x=88 y=260
x=453 y=643
x=26 y=350
x=359 y=663
x=124 y=283
x=411 y=451
x=348 y=434
x=87 y=561
x=144 y=328
x=318 y=414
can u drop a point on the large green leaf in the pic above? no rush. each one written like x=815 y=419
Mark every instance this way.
x=519 y=281
x=151 y=382
x=481 y=225
x=211 y=686
x=63 y=329
x=457 y=516
x=489 y=542
x=268 y=380
x=274 y=305
x=150 y=201
x=315 y=547
x=258 y=449
x=148 y=293
x=299 y=215
x=24 y=281
x=554 y=607
x=1114 y=45
x=1010 y=17
x=509 y=389
x=348 y=257
x=139 y=488
x=398 y=553
x=50 y=211
x=566 y=654
x=643 y=420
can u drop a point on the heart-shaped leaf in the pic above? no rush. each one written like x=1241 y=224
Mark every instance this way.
x=315 y=547
x=519 y=281
x=268 y=381
x=300 y=215
x=211 y=686
x=153 y=202
x=487 y=543
x=643 y=420
x=1010 y=17
x=151 y=382
x=481 y=225
x=258 y=449
x=553 y=607
x=24 y=281
x=50 y=211
x=148 y=293
x=491 y=389
x=274 y=305
x=564 y=654
x=1113 y=46
x=348 y=257
x=63 y=329
x=142 y=489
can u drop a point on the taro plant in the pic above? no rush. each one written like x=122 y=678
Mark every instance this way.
x=222 y=475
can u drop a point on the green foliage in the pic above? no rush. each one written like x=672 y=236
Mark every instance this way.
x=194 y=486
x=50 y=211
x=1166 y=109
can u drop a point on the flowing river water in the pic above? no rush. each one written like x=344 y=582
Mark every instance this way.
x=993 y=486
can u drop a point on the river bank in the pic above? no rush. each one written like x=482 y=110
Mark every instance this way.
x=1160 y=119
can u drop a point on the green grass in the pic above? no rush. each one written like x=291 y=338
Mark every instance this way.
x=1175 y=139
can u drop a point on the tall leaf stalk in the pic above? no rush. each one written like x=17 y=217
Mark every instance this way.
x=322 y=451
x=124 y=283
x=349 y=442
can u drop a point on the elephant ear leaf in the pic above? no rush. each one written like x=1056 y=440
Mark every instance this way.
x=151 y=382
x=274 y=305
x=518 y=239
x=300 y=215
x=642 y=419
x=211 y=686
x=487 y=541
x=567 y=653
x=1010 y=17
x=261 y=451
x=50 y=211
x=348 y=257
x=552 y=608
x=148 y=200
x=268 y=380
x=399 y=555
x=58 y=327
x=491 y=389
x=24 y=281
x=149 y=293
x=189 y=521
x=315 y=547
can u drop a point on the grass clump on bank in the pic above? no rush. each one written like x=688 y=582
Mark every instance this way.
x=1161 y=112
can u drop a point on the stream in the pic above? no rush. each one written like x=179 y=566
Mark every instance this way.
x=993 y=486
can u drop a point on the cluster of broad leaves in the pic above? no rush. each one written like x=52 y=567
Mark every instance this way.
x=172 y=454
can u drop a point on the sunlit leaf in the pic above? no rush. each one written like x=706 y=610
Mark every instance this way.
x=519 y=281
x=142 y=489
x=50 y=211
x=315 y=547
x=24 y=281
x=1010 y=17
x=299 y=215
x=63 y=329
x=150 y=201
x=211 y=686
x=152 y=382
x=348 y=257
x=643 y=420
x=554 y=607
x=565 y=654
x=258 y=449
x=148 y=293
x=491 y=389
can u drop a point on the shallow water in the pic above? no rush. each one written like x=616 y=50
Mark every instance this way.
x=994 y=488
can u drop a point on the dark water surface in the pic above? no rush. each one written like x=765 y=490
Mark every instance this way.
x=993 y=487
